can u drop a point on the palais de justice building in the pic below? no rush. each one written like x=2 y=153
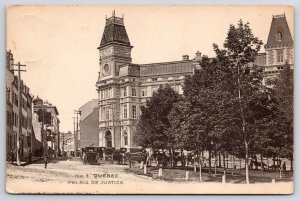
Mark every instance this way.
x=123 y=86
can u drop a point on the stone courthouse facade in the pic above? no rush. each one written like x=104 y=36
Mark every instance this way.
x=123 y=87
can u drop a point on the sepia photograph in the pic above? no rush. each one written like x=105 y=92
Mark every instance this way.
x=150 y=99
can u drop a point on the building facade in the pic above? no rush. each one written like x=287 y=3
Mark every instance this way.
x=279 y=49
x=89 y=130
x=18 y=101
x=123 y=87
x=10 y=134
x=49 y=135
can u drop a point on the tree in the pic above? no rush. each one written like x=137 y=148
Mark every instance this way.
x=202 y=118
x=283 y=87
x=240 y=50
x=153 y=126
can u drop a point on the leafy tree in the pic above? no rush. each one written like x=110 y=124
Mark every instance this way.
x=283 y=137
x=153 y=126
x=240 y=50
x=201 y=120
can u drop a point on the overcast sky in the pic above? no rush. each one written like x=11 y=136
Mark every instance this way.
x=59 y=43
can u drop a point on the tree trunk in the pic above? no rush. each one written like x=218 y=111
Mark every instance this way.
x=224 y=163
x=255 y=159
x=182 y=158
x=200 y=166
x=233 y=165
x=220 y=162
x=209 y=162
x=171 y=158
x=216 y=163
x=292 y=162
x=227 y=159
x=195 y=168
x=261 y=163
x=246 y=162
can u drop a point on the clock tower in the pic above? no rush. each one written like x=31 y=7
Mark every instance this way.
x=114 y=49
x=114 y=52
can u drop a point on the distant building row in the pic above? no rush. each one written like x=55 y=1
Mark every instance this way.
x=31 y=136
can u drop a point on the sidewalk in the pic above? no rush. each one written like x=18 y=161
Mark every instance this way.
x=23 y=162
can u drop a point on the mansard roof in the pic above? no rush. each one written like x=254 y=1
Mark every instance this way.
x=279 y=26
x=114 y=32
x=166 y=68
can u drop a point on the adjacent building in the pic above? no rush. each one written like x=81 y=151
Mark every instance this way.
x=19 y=112
x=67 y=144
x=11 y=136
x=123 y=86
x=279 y=48
x=46 y=133
x=89 y=122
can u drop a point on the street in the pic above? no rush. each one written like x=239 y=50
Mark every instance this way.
x=71 y=176
x=68 y=171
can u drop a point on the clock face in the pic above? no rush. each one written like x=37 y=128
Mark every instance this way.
x=106 y=70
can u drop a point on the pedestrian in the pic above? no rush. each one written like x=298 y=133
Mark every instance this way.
x=12 y=156
x=46 y=161
x=284 y=167
x=29 y=157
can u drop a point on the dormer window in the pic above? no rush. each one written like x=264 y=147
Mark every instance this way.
x=279 y=36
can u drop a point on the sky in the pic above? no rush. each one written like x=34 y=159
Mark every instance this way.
x=59 y=44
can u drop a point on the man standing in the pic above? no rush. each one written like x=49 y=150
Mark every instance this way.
x=46 y=161
x=29 y=157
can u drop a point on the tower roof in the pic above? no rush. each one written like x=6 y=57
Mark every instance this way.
x=114 y=32
x=279 y=34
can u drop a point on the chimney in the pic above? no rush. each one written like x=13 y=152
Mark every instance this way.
x=185 y=57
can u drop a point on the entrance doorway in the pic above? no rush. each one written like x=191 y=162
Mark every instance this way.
x=108 y=138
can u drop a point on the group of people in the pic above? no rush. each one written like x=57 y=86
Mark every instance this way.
x=12 y=157
x=29 y=158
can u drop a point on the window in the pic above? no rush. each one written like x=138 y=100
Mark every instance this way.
x=125 y=111
x=279 y=56
x=133 y=91
x=106 y=94
x=144 y=92
x=280 y=67
x=109 y=92
x=279 y=36
x=125 y=92
x=134 y=111
x=107 y=113
x=125 y=135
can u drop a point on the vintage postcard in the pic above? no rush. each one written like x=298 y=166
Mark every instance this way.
x=150 y=99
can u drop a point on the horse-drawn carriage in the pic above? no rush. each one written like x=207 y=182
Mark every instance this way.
x=122 y=155
x=91 y=155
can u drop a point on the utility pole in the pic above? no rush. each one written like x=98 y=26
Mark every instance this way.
x=77 y=112
x=20 y=110
x=44 y=133
x=74 y=134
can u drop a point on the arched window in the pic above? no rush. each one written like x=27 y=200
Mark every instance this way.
x=279 y=36
x=125 y=136
x=108 y=139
